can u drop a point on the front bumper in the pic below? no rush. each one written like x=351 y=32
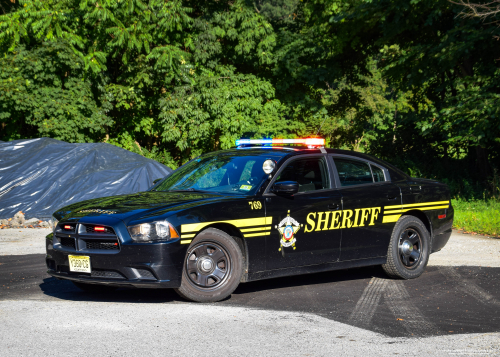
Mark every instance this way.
x=136 y=283
x=141 y=265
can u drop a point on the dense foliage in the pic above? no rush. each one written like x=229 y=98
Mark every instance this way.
x=411 y=81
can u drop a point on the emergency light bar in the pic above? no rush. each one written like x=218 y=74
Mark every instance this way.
x=308 y=141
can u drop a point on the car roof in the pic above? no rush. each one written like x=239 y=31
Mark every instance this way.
x=284 y=151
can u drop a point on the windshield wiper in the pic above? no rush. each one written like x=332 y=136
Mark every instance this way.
x=190 y=190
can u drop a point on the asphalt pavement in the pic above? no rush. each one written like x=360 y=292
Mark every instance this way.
x=449 y=310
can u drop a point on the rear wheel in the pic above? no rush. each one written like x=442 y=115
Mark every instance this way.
x=94 y=288
x=409 y=249
x=213 y=267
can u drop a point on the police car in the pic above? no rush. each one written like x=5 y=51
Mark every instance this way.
x=266 y=208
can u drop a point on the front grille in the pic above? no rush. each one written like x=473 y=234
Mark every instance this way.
x=102 y=244
x=67 y=242
x=91 y=229
x=108 y=274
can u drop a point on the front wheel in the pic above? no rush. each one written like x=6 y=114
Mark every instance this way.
x=213 y=267
x=409 y=249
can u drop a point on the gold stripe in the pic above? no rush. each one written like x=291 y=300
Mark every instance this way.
x=256 y=229
x=390 y=219
x=256 y=234
x=186 y=241
x=418 y=204
x=188 y=235
x=410 y=209
x=195 y=227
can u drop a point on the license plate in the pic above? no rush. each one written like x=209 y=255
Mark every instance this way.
x=79 y=263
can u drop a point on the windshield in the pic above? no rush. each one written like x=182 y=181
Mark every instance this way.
x=218 y=173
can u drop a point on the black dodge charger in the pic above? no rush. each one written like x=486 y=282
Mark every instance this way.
x=265 y=209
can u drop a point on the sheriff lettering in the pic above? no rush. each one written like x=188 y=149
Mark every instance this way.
x=359 y=217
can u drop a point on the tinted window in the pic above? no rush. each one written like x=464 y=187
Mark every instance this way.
x=311 y=174
x=378 y=174
x=353 y=172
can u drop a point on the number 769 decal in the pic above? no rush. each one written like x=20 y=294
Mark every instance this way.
x=255 y=205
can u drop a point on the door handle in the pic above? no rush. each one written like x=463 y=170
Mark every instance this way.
x=333 y=206
x=390 y=197
x=415 y=189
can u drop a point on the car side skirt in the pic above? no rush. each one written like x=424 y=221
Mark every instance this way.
x=310 y=269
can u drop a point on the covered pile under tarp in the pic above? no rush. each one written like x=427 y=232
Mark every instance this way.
x=41 y=175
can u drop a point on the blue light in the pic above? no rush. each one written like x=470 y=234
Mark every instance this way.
x=254 y=141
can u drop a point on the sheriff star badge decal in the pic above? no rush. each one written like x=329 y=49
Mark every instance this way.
x=287 y=228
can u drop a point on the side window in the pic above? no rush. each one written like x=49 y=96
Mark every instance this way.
x=378 y=174
x=353 y=172
x=310 y=173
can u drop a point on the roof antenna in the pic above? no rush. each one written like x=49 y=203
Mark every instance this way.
x=320 y=127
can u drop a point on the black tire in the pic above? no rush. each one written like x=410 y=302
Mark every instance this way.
x=409 y=249
x=213 y=267
x=94 y=288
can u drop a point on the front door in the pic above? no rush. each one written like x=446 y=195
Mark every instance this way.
x=300 y=233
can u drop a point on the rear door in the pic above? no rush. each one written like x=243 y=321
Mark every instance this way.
x=300 y=233
x=366 y=193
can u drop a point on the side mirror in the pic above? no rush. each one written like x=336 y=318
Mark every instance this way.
x=285 y=187
x=155 y=181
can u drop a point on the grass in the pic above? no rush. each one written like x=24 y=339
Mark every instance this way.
x=477 y=216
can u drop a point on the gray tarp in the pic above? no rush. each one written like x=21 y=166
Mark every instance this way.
x=41 y=175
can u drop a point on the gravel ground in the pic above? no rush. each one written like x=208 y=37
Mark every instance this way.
x=468 y=250
x=23 y=241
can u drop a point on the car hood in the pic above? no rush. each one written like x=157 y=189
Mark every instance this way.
x=131 y=207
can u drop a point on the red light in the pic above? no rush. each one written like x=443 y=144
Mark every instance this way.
x=99 y=229
x=68 y=227
x=441 y=216
x=116 y=243
x=315 y=142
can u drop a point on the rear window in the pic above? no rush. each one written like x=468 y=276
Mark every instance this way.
x=353 y=172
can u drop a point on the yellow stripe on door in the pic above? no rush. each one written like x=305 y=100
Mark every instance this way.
x=391 y=218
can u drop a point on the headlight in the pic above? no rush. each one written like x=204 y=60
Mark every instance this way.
x=53 y=223
x=155 y=231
